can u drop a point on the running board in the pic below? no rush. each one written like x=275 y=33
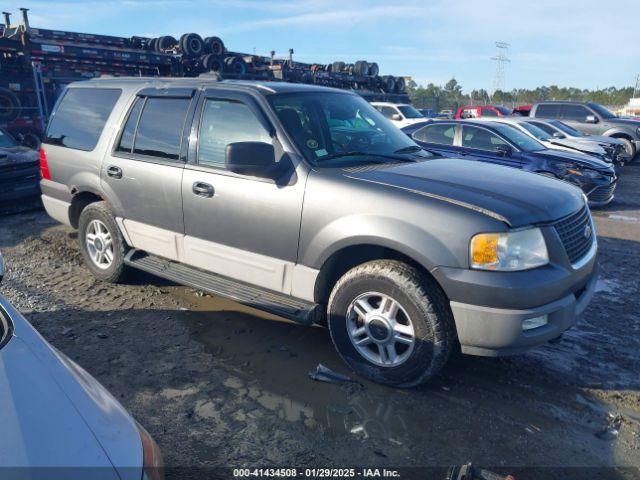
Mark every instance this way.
x=269 y=301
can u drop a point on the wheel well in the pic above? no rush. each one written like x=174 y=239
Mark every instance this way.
x=622 y=135
x=345 y=259
x=79 y=202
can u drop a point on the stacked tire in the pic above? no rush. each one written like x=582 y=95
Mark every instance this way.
x=10 y=105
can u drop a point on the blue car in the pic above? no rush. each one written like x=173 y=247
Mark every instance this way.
x=504 y=145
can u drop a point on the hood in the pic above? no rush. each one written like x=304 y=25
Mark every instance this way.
x=576 y=144
x=600 y=139
x=54 y=414
x=18 y=155
x=515 y=197
x=623 y=121
x=40 y=426
x=578 y=158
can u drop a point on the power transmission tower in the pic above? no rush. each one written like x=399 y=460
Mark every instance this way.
x=501 y=59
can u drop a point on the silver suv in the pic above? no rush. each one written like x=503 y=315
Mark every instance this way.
x=307 y=203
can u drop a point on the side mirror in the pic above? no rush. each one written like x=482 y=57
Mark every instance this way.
x=591 y=119
x=396 y=117
x=257 y=159
x=504 y=150
x=557 y=135
x=2 y=270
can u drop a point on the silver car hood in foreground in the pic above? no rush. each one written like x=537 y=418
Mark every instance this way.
x=57 y=421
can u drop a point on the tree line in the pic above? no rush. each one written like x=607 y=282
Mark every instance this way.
x=451 y=96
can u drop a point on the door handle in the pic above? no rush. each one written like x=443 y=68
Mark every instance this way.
x=203 y=189
x=114 y=172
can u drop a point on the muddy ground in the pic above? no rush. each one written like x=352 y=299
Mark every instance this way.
x=218 y=384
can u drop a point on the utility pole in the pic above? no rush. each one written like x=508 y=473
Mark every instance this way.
x=501 y=59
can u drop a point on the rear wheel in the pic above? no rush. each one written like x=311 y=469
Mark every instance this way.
x=101 y=243
x=391 y=323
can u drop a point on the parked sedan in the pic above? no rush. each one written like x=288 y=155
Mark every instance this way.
x=552 y=142
x=614 y=147
x=56 y=420
x=502 y=144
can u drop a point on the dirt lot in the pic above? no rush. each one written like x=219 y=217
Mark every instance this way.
x=218 y=385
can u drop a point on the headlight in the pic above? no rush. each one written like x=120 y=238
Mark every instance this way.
x=509 y=251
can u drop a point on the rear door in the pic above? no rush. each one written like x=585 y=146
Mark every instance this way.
x=239 y=226
x=142 y=174
x=479 y=143
x=438 y=138
x=576 y=115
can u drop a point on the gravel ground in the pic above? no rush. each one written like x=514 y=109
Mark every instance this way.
x=218 y=384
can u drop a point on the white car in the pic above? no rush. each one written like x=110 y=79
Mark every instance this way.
x=401 y=114
x=614 y=147
x=549 y=141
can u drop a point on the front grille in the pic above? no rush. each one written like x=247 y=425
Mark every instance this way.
x=576 y=233
x=603 y=193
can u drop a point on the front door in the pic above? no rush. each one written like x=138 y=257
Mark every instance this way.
x=239 y=226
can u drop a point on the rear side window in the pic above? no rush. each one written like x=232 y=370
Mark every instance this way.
x=575 y=112
x=224 y=122
x=489 y=112
x=548 y=110
x=154 y=127
x=80 y=117
x=440 y=134
x=387 y=111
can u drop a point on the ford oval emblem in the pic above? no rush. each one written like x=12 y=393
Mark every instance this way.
x=587 y=231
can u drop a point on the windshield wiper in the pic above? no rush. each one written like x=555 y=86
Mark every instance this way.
x=409 y=149
x=356 y=153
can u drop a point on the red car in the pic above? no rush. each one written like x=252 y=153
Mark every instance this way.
x=475 y=111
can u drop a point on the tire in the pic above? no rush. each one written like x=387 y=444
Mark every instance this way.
x=361 y=67
x=388 y=83
x=212 y=63
x=191 y=44
x=235 y=65
x=9 y=105
x=153 y=43
x=165 y=43
x=338 y=67
x=214 y=45
x=99 y=212
x=423 y=306
x=374 y=69
x=629 y=147
x=401 y=85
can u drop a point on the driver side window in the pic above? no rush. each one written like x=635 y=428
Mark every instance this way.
x=224 y=122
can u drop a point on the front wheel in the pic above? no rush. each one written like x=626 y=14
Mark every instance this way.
x=101 y=243
x=629 y=147
x=391 y=323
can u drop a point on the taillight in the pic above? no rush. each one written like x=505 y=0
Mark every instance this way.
x=152 y=468
x=44 y=165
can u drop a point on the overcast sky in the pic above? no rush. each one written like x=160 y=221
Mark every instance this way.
x=582 y=43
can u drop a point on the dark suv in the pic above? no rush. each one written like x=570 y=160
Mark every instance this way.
x=593 y=119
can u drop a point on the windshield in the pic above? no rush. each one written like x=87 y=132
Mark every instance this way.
x=339 y=129
x=519 y=139
x=503 y=110
x=536 y=132
x=6 y=141
x=600 y=110
x=409 y=112
x=566 y=128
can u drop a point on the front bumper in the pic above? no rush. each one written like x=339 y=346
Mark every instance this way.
x=489 y=307
x=494 y=332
